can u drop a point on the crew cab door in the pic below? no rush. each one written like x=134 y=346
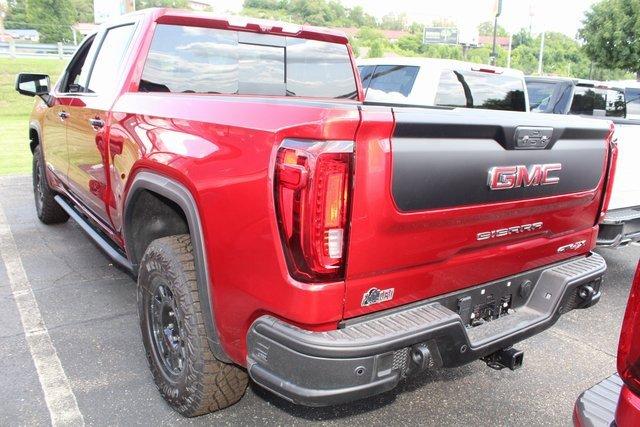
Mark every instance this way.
x=54 y=124
x=87 y=124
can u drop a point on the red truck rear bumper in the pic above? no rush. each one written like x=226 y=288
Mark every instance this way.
x=371 y=354
x=620 y=227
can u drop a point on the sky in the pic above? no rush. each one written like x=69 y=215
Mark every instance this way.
x=564 y=16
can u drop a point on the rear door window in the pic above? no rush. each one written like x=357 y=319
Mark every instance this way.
x=632 y=96
x=205 y=60
x=591 y=101
x=391 y=83
x=365 y=74
x=319 y=69
x=539 y=94
x=474 y=89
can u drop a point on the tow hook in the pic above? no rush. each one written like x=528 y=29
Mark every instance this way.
x=505 y=358
x=421 y=358
x=586 y=292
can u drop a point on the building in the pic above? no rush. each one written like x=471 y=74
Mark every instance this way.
x=502 y=41
x=23 y=35
x=200 y=5
x=85 y=28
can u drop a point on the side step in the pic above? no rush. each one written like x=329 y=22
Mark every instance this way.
x=95 y=235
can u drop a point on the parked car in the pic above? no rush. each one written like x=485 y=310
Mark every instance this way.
x=279 y=227
x=616 y=400
x=621 y=223
x=442 y=83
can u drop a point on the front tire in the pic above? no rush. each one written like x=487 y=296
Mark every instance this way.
x=47 y=209
x=188 y=376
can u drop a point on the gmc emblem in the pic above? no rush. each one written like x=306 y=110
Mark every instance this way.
x=505 y=177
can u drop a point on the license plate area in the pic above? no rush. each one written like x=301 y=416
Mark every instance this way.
x=485 y=303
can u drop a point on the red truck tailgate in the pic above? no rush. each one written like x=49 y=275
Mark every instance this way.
x=448 y=199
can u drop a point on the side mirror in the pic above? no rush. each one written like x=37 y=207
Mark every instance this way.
x=32 y=84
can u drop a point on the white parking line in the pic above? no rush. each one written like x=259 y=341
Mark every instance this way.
x=61 y=402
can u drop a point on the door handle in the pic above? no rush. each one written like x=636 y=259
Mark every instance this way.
x=63 y=115
x=96 y=123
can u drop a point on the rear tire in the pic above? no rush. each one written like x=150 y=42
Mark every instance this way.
x=47 y=209
x=188 y=376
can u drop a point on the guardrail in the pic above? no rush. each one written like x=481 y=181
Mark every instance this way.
x=36 y=50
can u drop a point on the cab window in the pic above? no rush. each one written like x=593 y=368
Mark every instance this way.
x=592 y=101
x=78 y=69
x=107 y=64
x=476 y=89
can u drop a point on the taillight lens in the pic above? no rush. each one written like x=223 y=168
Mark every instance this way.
x=611 y=170
x=629 y=348
x=312 y=188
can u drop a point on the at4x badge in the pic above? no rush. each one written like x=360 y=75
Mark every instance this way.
x=375 y=296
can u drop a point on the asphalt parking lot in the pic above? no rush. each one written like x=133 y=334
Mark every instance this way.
x=89 y=310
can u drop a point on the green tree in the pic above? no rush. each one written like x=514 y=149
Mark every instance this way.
x=316 y=12
x=611 y=33
x=16 y=16
x=84 y=10
x=367 y=36
x=359 y=18
x=411 y=43
x=393 y=21
x=376 y=50
x=486 y=29
x=52 y=18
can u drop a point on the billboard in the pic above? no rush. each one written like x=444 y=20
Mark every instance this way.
x=440 y=35
x=103 y=10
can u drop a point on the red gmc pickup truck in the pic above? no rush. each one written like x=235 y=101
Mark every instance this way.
x=282 y=229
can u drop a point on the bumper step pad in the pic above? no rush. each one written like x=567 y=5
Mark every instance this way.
x=620 y=227
x=597 y=406
x=370 y=355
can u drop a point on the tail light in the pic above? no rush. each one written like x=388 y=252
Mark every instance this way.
x=312 y=190
x=611 y=170
x=629 y=348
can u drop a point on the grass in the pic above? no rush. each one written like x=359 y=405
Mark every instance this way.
x=15 y=156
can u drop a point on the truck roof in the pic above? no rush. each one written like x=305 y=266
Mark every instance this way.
x=550 y=79
x=577 y=82
x=242 y=23
x=439 y=63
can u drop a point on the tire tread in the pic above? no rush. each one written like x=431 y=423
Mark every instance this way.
x=214 y=384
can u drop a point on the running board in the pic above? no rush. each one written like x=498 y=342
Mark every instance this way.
x=113 y=253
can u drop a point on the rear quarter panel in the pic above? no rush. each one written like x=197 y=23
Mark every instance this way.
x=222 y=148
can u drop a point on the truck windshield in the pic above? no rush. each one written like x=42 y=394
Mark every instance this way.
x=205 y=60
x=473 y=89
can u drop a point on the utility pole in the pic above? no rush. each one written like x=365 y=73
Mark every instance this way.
x=494 y=55
x=541 y=53
x=509 y=57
